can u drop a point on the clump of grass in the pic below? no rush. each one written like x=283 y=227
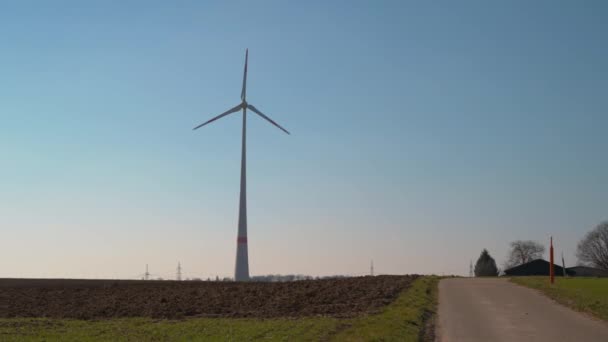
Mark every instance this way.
x=581 y=293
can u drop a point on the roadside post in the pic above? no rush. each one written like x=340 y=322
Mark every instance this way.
x=551 y=269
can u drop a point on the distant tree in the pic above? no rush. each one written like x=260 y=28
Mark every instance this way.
x=485 y=266
x=522 y=252
x=592 y=250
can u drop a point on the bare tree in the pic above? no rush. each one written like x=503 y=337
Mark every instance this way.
x=522 y=252
x=593 y=249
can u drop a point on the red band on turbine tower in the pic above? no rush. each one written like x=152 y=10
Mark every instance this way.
x=241 y=239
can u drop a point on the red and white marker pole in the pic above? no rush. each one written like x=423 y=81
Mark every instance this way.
x=551 y=270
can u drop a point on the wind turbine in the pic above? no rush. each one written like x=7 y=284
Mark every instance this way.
x=241 y=272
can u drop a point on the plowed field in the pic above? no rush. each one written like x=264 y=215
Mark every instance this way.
x=96 y=299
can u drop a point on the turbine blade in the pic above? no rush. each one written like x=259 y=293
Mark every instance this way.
x=229 y=111
x=267 y=118
x=244 y=91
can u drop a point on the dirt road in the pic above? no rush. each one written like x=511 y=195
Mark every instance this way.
x=486 y=309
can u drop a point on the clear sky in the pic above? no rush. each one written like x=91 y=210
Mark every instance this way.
x=422 y=132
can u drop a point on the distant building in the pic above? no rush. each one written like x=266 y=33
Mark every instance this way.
x=540 y=267
x=536 y=267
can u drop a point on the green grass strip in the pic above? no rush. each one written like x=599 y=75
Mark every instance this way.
x=584 y=294
x=403 y=320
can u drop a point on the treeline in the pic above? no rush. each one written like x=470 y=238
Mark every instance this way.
x=290 y=277
x=270 y=278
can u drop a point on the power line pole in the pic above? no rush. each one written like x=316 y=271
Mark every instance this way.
x=179 y=271
x=371 y=270
x=471 y=269
x=563 y=264
x=147 y=274
x=552 y=263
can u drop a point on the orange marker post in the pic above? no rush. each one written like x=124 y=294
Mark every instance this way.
x=551 y=270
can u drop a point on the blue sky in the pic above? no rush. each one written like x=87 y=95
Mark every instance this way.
x=421 y=133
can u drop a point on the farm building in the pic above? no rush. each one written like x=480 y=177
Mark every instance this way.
x=541 y=267
x=534 y=267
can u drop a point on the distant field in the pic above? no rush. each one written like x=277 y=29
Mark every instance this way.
x=583 y=294
x=403 y=319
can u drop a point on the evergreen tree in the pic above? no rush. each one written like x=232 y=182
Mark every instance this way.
x=485 y=266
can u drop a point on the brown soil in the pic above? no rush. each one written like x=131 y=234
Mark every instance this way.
x=89 y=299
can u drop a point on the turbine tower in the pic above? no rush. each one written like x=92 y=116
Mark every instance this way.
x=241 y=272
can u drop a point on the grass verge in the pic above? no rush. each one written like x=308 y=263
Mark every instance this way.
x=408 y=318
x=583 y=294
